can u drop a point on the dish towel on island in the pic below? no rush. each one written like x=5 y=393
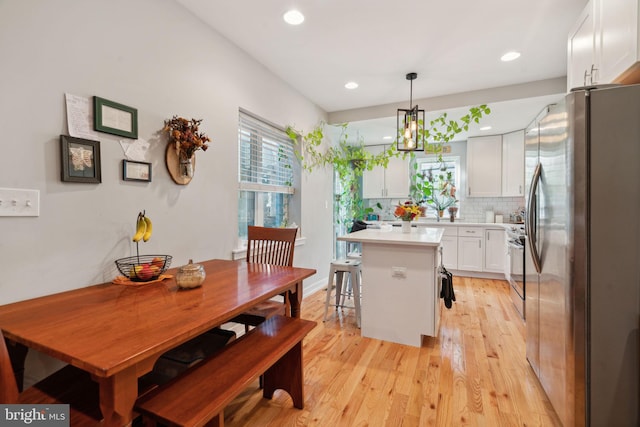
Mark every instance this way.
x=446 y=291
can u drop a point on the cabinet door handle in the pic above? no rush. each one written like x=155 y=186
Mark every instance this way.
x=593 y=74
x=479 y=244
x=469 y=191
x=520 y=189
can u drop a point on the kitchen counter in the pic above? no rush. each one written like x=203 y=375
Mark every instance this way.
x=444 y=223
x=422 y=236
x=400 y=292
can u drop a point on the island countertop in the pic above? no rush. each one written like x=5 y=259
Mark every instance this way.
x=419 y=236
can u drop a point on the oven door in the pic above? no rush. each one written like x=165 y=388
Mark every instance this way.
x=516 y=275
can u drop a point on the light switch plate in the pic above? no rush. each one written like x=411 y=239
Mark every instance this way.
x=400 y=272
x=19 y=202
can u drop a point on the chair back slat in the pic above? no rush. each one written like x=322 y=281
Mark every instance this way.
x=266 y=245
x=8 y=386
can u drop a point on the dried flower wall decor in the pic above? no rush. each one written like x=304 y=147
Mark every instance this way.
x=186 y=135
x=185 y=139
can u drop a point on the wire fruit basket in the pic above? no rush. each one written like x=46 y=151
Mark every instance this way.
x=143 y=268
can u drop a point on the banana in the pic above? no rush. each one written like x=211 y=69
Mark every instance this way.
x=148 y=230
x=141 y=228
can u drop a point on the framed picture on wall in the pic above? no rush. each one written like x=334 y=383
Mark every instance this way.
x=80 y=160
x=117 y=119
x=136 y=171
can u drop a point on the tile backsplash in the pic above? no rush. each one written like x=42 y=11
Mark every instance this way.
x=470 y=210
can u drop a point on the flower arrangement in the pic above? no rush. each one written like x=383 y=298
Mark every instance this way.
x=407 y=211
x=186 y=135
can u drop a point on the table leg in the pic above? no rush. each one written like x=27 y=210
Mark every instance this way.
x=118 y=394
x=17 y=355
x=295 y=299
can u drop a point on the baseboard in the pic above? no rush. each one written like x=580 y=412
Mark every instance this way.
x=314 y=287
x=479 y=274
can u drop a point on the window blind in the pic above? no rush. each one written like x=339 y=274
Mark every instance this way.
x=266 y=156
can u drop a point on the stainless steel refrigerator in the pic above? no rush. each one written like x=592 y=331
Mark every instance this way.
x=583 y=231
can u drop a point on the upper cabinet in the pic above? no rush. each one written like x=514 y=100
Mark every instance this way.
x=603 y=44
x=513 y=164
x=484 y=166
x=389 y=182
x=581 y=50
x=495 y=165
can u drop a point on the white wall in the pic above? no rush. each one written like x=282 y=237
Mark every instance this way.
x=155 y=56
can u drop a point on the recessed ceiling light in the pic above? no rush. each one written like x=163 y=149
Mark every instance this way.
x=351 y=85
x=387 y=137
x=510 y=56
x=293 y=17
x=485 y=128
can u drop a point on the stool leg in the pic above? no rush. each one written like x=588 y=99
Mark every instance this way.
x=339 y=281
x=329 y=288
x=347 y=288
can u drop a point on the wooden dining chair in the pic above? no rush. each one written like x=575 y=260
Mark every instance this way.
x=266 y=245
x=68 y=385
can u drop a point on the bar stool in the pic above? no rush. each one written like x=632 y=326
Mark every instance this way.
x=337 y=270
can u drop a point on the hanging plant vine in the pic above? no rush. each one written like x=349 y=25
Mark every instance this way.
x=349 y=161
x=440 y=132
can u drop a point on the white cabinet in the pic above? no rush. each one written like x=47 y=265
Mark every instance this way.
x=513 y=164
x=603 y=44
x=484 y=166
x=389 y=182
x=449 y=245
x=617 y=27
x=470 y=252
x=494 y=250
x=480 y=249
x=581 y=50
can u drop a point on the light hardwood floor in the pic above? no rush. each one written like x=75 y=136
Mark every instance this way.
x=474 y=373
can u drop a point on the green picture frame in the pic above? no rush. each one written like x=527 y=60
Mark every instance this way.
x=114 y=118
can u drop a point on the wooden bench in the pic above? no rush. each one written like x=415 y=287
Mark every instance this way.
x=198 y=396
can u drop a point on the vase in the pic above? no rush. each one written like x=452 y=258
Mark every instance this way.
x=186 y=166
x=406 y=226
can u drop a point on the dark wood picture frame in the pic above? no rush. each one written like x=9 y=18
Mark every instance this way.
x=136 y=171
x=114 y=118
x=80 y=160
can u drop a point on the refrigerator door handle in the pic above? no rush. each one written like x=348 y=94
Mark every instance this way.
x=529 y=223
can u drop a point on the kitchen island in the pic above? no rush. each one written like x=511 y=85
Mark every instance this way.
x=400 y=292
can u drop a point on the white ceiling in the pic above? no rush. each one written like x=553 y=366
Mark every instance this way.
x=454 y=46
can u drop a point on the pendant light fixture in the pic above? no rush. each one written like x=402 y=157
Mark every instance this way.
x=410 y=124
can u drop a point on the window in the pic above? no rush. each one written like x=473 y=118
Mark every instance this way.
x=440 y=172
x=266 y=175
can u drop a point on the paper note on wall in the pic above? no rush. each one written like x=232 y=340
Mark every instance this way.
x=135 y=150
x=80 y=117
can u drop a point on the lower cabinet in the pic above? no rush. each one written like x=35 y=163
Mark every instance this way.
x=494 y=250
x=470 y=248
x=449 y=245
x=470 y=253
x=478 y=248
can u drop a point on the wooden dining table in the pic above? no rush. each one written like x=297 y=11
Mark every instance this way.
x=117 y=332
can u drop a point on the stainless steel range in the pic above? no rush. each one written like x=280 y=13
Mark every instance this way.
x=516 y=266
